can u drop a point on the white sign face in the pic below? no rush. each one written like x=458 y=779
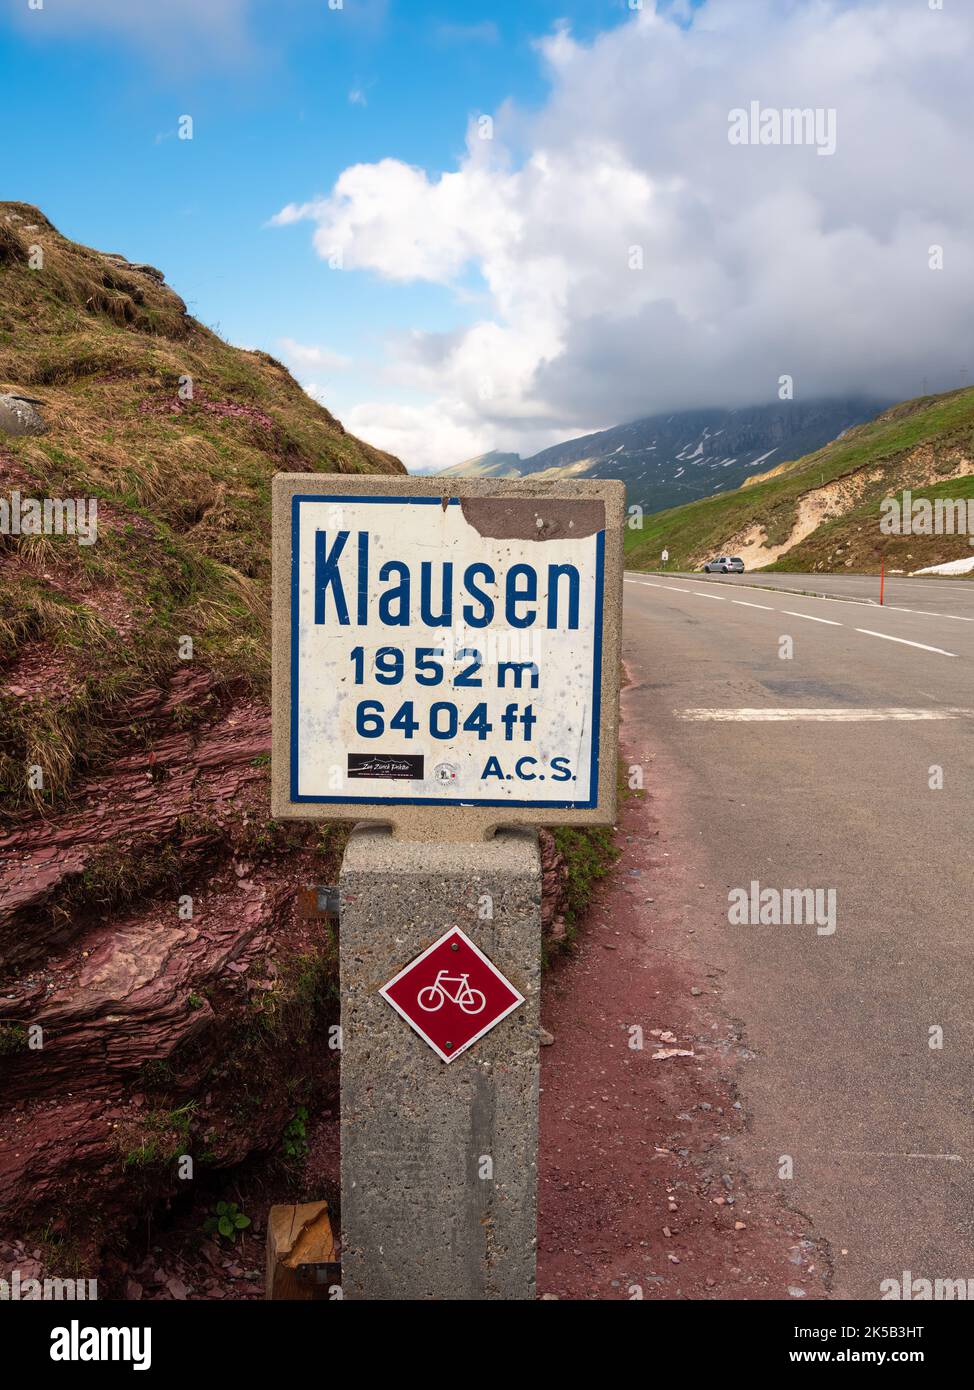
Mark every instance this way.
x=434 y=665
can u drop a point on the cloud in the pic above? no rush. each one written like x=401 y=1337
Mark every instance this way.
x=209 y=29
x=203 y=34
x=307 y=356
x=632 y=259
x=432 y=436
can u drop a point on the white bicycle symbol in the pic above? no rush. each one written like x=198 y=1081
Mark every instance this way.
x=432 y=997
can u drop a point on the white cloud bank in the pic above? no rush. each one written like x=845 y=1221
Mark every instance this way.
x=756 y=260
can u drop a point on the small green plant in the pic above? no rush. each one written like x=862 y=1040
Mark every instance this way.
x=227 y=1221
x=589 y=853
x=295 y=1140
x=13 y=1038
x=158 y=1137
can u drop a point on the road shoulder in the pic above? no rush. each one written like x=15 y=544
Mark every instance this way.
x=641 y=1190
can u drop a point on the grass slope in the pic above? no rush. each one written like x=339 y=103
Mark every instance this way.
x=921 y=444
x=183 y=488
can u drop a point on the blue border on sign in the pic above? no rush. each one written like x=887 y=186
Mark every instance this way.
x=587 y=805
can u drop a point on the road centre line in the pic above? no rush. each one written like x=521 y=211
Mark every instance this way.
x=743 y=603
x=922 y=645
x=810 y=617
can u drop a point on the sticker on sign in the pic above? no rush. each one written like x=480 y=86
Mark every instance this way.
x=445 y=648
x=451 y=995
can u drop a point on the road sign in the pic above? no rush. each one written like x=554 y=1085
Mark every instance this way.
x=446 y=647
x=451 y=995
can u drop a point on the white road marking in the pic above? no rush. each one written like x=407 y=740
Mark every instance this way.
x=880 y=1153
x=922 y=645
x=820 y=598
x=696 y=594
x=810 y=617
x=818 y=715
x=923 y=613
x=830 y=598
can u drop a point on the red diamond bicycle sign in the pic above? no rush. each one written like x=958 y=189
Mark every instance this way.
x=451 y=995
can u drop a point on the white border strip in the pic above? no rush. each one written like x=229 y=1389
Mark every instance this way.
x=772 y=715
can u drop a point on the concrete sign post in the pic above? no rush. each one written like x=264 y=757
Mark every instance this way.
x=446 y=665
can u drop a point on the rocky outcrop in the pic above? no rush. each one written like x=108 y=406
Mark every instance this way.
x=19 y=415
x=183 y=785
x=151 y=955
x=139 y=1027
x=554 y=890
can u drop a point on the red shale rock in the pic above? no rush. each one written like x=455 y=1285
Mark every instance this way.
x=161 y=1033
x=118 y=987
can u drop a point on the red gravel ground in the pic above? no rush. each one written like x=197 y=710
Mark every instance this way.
x=639 y=1195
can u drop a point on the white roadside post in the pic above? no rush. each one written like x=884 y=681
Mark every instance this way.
x=446 y=671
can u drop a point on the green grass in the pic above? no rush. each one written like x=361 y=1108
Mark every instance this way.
x=856 y=536
x=159 y=1137
x=184 y=495
x=307 y=985
x=13 y=1039
x=589 y=853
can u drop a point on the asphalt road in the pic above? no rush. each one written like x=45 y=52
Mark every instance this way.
x=947 y=596
x=832 y=792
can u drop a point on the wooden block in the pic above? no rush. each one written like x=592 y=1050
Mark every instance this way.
x=300 y=1243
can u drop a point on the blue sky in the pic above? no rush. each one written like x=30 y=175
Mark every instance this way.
x=287 y=95
x=276 y=118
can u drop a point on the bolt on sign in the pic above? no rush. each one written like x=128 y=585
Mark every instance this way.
x=446 y=655
x=452 y=994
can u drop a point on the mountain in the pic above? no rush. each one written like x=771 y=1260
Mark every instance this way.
x=148 y=925
x=822 y=512
x=492 y=465
x=665 y=460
